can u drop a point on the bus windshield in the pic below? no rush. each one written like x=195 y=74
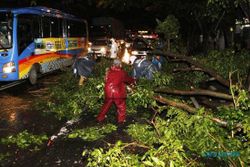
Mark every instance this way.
x=5 y=31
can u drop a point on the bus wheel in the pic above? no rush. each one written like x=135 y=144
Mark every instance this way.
x=33 y=76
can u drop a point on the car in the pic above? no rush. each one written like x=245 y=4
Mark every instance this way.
x=100 y=47
x=139 y=47
x=128 y=42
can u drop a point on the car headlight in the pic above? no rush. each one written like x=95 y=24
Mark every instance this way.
x=127 y=45
x=9 y=67
x=89 y=49
x=103 y=50
x=134 y=52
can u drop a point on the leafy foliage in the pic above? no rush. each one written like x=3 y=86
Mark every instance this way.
x=142 y=133
x=25 y=139
x=169 y=27
x=227 y=61
x=68 y=100
x=174 y=138
x=114 y=157
x=4 y=156
x=92 y=133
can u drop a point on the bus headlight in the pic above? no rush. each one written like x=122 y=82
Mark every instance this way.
x=9 y=67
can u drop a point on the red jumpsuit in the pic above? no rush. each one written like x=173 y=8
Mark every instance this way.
x=115 y=92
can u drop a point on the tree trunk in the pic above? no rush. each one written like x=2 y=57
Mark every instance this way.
x=169 y=47
x=248 y=81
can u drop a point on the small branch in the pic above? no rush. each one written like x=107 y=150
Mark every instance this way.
x=135 y=144
x=224 y=123
x=155 y=113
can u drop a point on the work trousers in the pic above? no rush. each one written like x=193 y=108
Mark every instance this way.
x=120 y=105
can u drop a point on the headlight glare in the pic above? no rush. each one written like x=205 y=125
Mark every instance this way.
x=9 y=67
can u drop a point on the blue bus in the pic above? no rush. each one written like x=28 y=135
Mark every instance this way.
x=38 y=40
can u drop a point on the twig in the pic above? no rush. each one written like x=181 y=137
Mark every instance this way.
x=136 y=144
x=156 y=112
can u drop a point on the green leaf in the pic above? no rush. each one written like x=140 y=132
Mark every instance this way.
x=148 y=163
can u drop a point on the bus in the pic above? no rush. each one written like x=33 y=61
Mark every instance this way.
x=38 y=40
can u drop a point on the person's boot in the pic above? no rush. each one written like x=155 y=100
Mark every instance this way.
x=81 y=81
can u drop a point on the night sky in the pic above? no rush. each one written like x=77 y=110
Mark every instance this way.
x=134 y=18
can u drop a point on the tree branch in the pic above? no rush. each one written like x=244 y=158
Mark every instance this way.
x=189 y=60
x=175 y=104
x=186 y=107
x=199 y=92
x=187 y=69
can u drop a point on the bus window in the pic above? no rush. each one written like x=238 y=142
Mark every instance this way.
x=27 y=30
x=64 y=28
x=5 y=31
x=60 y=27
x=56 y=31
x=46 y=27
x=70 y=26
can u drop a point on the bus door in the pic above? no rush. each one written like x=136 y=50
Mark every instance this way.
x=28 y=30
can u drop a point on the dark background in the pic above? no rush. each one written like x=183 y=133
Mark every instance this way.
x=133 y=18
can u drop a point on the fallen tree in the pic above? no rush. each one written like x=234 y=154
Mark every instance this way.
x=198 y=129
x=195 y=66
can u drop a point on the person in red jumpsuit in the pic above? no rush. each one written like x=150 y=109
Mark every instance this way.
x=115 y=91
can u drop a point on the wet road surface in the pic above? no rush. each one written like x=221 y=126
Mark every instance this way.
x=17 y=113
